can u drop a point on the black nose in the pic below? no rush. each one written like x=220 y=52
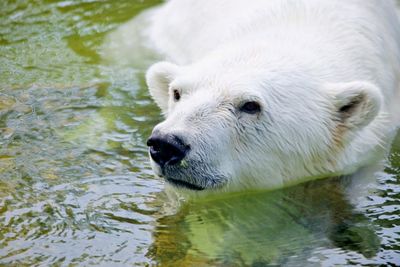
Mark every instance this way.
x=167 y=149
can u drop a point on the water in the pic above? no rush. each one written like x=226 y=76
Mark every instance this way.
x=76 y=186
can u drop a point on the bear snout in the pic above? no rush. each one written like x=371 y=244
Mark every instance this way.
x=167 y=149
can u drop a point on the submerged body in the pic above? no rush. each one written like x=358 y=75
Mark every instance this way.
x=271 y=93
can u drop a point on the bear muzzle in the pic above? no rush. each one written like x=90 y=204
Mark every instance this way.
x=172 y=160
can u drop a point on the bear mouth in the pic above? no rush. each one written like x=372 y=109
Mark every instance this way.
x=183 y=184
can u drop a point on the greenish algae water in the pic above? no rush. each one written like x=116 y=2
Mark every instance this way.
x=76 y=187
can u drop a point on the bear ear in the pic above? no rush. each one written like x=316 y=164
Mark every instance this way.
x=356 y=103
x=158 y=78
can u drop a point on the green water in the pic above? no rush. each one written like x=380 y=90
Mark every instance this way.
x=76 y=187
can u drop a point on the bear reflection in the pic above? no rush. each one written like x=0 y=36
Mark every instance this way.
x=257 y=229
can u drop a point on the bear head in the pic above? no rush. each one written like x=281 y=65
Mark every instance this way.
x=230 y=128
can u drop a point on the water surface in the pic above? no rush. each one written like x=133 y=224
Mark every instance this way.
x=76 y=186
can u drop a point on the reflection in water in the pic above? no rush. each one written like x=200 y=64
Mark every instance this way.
x=76 y=186
x=282 y=227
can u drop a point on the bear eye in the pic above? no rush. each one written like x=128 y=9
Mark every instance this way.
x=177 y=95
x=251 y=107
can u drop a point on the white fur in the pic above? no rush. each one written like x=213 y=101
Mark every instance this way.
x=301 y=60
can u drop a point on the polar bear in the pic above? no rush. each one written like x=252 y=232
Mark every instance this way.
x=266 y=94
